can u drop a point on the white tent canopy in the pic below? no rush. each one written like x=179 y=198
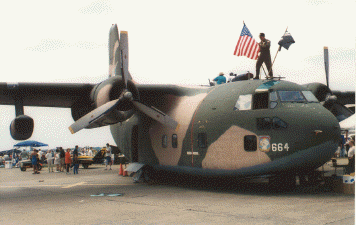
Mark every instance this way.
x=349 y=123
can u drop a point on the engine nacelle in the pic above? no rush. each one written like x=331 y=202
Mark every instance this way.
x=104 y=92
x=21 y=128
x=81 y=107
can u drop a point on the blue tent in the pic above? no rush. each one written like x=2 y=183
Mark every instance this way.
x=30 y=144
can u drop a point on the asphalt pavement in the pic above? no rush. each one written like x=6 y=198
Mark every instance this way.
x=98 y=196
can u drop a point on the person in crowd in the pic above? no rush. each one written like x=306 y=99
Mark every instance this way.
x=6 y=157
x=62 y=158
x=75 y=163
x=50 y=157
x=90 y=152
x=76 y=151
x=43 y=157
x=75 y=160
x=68 y=160
x=24 y=155
x=15 y=161
x=351 y=155
x=108 y=160
x=57 y=161
x=34 y=161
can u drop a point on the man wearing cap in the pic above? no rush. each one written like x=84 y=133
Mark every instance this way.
x=220 y=79
x=264 y=56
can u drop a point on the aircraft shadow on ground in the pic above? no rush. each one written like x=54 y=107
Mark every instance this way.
x=256 y=186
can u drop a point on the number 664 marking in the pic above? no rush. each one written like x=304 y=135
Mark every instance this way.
x=280 y=147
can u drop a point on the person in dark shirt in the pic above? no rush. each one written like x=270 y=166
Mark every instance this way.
x=62 y=158
x=75 y=160
x=264 y=57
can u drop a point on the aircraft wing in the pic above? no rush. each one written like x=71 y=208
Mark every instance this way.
x=63 y=95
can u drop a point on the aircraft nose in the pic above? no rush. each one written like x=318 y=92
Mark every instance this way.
x=324 y=133
x=327 y=127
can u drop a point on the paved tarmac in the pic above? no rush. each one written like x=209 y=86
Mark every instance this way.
x=58 y=198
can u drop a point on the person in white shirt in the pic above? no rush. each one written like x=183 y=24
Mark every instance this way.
x=90 y=152
x=351 y=155
x=50 y=157
x=351 y=152
x=108 y=156
x=57 y=161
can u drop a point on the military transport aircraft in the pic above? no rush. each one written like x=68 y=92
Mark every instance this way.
x=240 y=129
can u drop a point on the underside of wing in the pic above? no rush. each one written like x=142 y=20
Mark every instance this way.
x=63 y=95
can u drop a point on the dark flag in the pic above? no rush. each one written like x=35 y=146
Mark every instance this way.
x=286 y=41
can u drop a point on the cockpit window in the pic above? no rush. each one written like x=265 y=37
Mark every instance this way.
x=273 y=96
x=309 y=96
x=291 y=96
x=244 y=102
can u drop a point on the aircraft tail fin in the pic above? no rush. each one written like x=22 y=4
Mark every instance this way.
x=118 y=53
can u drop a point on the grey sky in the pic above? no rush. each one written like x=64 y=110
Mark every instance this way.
x=171 y=42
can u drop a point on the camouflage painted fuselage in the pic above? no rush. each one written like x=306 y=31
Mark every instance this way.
x=214 y=137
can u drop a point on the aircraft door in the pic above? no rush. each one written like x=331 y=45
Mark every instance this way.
x=200 y=144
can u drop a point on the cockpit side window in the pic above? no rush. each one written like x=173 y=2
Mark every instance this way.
x=260 y=100
x=309 y=96
x=291 y=96
x=244 y=102
x=273 y=97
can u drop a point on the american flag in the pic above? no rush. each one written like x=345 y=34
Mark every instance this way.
x=247 y=45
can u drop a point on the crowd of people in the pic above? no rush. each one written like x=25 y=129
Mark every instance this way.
x=58 y=160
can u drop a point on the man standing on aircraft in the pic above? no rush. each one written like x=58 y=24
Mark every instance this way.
x=220 y=79
x=264 y=56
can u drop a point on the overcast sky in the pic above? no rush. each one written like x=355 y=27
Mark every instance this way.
x=170 y=42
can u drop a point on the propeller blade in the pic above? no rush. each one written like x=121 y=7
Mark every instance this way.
x=94 y=116
x=326 y=63
x=157 y=115
x=114 y=52
x=124 y=50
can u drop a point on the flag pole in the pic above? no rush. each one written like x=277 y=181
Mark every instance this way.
x=278 y=50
